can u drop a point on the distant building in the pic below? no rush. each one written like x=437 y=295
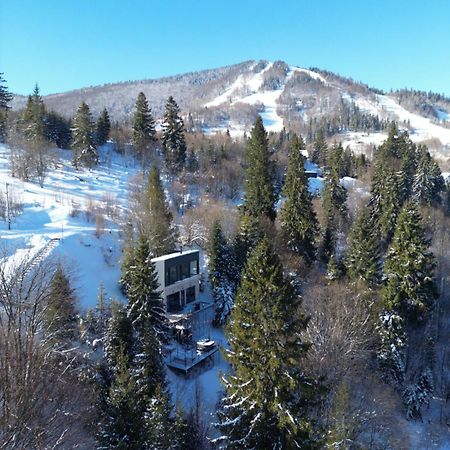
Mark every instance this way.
x=179 y=278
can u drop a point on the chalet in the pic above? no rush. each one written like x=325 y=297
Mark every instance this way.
x=179 y=278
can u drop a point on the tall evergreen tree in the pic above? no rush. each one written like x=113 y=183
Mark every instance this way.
x=143 y=127
x=259 y=197
x=103 y=127
x=5 y=99
x=57 y=129
x=217 y=254
x=268 y=395
x=410 y=288
x=428 y=181
x=161 y=232
x=173 y=138
x=363 y=259
x=334 y=198
x=298 y=220
x=386 y=198
x=320 y=149
x=33 y=116
x=83 y=146
x=122 y=421
x=60 y=313
x=145 y=308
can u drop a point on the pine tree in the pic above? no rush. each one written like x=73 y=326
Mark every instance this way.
x=83 y=147
x=118 y=338
x=363 y=259
x=327 y=247
x=159 y=424
x=127 y=258
x=268 y=395
x=410 y=288
x=57 y=129
x=217 y=254
x=102 y=310
x=259 y=197
x=298 y=220
x=5 y=98
x=428 y=181
x=145 y=308
x=122 y=421
x=249 y=234
x=386 y=199
x=161 y=232
x=173 y=139
x=143 y=128
x=103 y=127
x=33 y=116
x=334 y=198
x=320 y=149
x=336 y=160
x=60 y=313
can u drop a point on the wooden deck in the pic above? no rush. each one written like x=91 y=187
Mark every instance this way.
x=187 y=361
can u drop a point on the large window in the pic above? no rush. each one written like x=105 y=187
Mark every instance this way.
x=173 y=303
x=185 y=270
x=194 y=268
x=190 y=294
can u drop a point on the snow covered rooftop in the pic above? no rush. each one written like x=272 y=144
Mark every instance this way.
x=173 y=255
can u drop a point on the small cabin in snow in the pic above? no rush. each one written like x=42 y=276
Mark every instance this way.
x=179 y=278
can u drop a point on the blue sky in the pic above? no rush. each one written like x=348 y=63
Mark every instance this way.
x=68 y=44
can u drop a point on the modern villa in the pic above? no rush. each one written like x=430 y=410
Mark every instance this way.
x=179 y=278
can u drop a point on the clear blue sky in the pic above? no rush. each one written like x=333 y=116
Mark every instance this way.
x=67 y=44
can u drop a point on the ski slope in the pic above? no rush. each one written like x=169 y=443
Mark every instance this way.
x=247 y=88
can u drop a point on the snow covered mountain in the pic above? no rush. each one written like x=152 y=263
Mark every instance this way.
x=285 y=96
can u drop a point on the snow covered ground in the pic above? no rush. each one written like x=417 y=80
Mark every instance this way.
x=62 y=209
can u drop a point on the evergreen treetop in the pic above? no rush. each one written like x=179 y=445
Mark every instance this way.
x=268 y=395
x=145 y=308
x=259 y=197
x=103 y=127
x=161 y=232
x=410 y=288
x=363 y=259
x=173 y=137
x=143 y=127
x=83 y=146
x=298 y=220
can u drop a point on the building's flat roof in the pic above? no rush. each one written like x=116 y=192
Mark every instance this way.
x=173 y=255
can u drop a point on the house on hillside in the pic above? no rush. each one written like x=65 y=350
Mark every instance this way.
x=179 y=278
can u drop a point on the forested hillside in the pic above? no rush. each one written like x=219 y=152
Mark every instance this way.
x=320 y=212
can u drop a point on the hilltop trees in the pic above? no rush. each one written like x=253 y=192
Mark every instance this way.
x=143 y=128
x=83 y=146
x=268 y=395
x=173 y=138
x=298 y=220
x=34 y=116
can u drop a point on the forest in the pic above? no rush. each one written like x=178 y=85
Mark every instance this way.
x=334 y=303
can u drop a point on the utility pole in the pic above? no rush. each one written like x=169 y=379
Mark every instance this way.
x=8 y=214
